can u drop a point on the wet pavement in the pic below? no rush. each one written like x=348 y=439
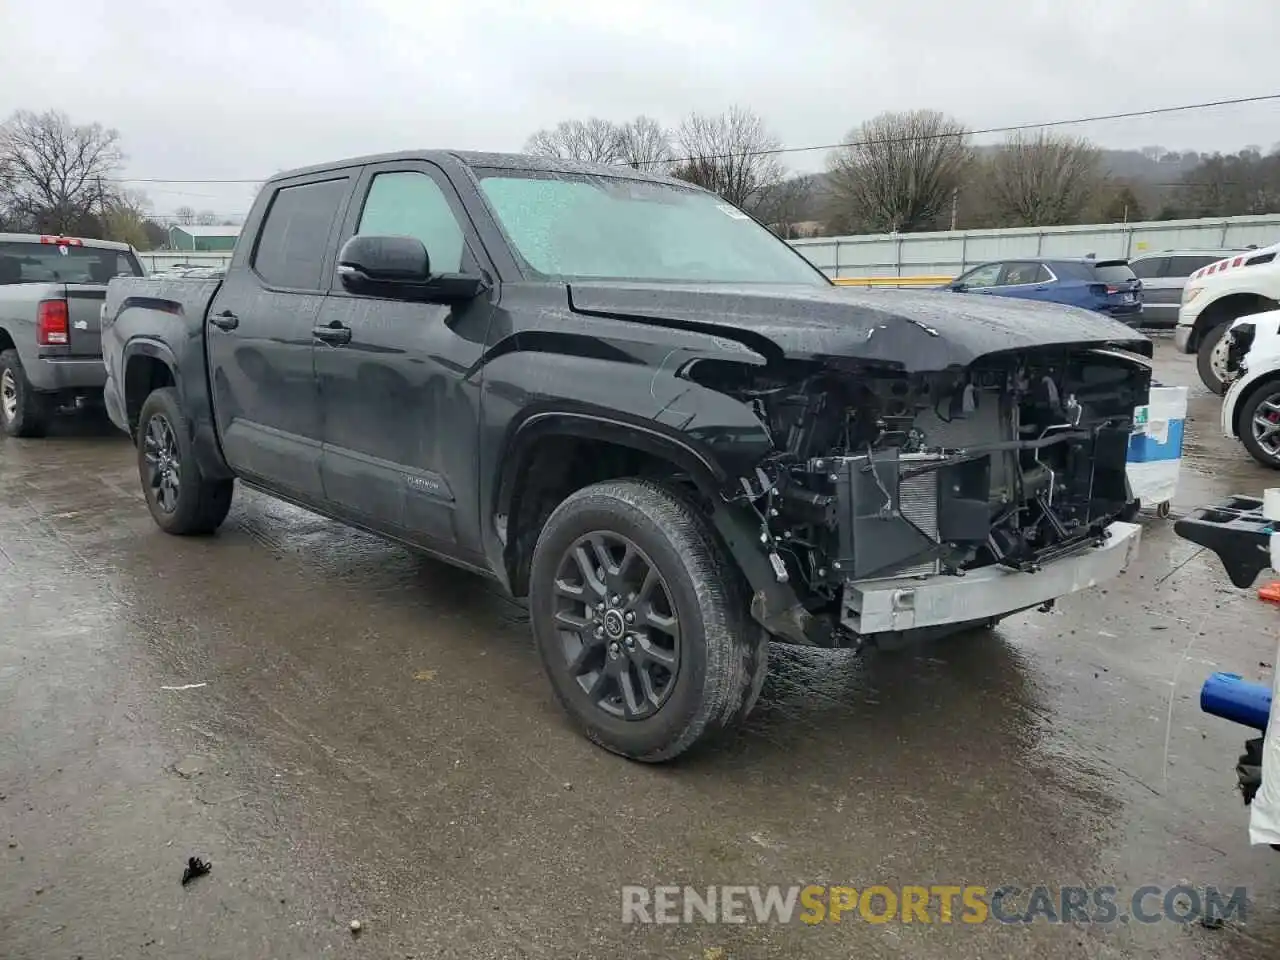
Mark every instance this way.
x=373 y=739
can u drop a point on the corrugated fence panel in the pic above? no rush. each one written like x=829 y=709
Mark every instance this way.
x=154 y=261
x=952 y=252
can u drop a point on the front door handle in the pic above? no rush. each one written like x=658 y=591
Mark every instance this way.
x=226 y=320
x=334 y=334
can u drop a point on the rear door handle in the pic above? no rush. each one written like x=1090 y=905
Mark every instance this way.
x=335 y=335
x=226 y=320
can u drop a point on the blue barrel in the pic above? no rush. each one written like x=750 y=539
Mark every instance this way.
x=1233 y=698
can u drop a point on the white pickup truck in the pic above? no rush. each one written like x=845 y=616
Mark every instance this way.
x=1219 y=294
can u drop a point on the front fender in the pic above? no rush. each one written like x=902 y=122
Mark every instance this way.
x=607 y=425
x=1262 y=363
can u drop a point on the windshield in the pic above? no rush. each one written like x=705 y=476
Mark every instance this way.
x=574 y=226
x=28 y=262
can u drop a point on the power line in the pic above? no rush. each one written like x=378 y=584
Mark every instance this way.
x=1012 y=128
x=775 y=151
x=178 y=180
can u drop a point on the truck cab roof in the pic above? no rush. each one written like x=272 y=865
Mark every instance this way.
x=475 y=159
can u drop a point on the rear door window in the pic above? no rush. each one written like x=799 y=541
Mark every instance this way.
x=1020 y=274
x=28 y=262
x=291 y=248
x=1149 y=268
x=1186 y=266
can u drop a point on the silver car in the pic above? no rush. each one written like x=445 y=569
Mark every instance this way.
x=1164 y=274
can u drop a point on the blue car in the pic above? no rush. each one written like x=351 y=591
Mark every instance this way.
x=1108 y=286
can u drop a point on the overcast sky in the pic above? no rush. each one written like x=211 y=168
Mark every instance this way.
x=243 y=88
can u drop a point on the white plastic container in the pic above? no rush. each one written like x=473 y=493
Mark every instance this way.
x=1155 y=448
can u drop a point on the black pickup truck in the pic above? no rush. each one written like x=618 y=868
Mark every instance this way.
x=631 y=404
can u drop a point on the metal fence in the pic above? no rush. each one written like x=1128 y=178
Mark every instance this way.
x=153 y=261
x=949 y=253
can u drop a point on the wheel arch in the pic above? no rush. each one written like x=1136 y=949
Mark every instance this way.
x=1230 y=307
x=147 y=366
x=542 y=461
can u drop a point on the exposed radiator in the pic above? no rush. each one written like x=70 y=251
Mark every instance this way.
x=918 y=502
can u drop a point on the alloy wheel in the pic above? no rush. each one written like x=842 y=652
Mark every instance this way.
x=618 y=628
x=1218 y=358
x=1266 y=425
x=160 y=450
x=8 y=395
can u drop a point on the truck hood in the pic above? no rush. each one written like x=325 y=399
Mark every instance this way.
x=913 y=330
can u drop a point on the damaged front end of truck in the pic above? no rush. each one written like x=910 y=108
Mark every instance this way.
x=948 y=488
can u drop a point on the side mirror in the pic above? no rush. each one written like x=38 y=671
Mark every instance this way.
x=958 y=287
x=384 y=260
x=398 y=268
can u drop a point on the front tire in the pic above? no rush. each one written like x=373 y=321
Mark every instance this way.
x=24 y=412
x=182 y=502
x=1211 y=358
x=1259 y=420
x=641 y=620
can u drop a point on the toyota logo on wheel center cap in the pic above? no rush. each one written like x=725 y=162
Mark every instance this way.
x=614 y=625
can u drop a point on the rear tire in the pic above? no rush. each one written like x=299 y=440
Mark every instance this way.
x=182 y=502
x=1262 y=404
x=24 y=411
x=614 y=560
x=1205 y=360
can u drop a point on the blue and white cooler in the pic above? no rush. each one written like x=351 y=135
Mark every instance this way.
x=1155 y=448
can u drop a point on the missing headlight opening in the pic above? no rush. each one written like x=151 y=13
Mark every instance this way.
x=878 y=475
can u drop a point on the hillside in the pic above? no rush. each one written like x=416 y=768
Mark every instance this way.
x=1151 y=173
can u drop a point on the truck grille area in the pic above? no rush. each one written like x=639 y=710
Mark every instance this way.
x=1016 y=461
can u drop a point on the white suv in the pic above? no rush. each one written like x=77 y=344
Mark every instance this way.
x=1219 y=294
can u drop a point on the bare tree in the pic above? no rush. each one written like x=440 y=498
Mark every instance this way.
x=206 y=218
x=184 y=216
x=157 y=234
x=1231 y=185
x=592 y=141
x=786 y=205
x=124 y=219
x=900 y=171
x=57 y=173
x=1042 y=179
x=646 y=145
x=733 y=154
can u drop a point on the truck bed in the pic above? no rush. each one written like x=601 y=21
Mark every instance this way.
x=162 y=319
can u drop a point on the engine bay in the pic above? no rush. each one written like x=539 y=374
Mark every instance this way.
x=877 y=474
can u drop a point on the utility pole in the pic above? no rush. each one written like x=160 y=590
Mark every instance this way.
x=102 y=210
x=955 y=203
